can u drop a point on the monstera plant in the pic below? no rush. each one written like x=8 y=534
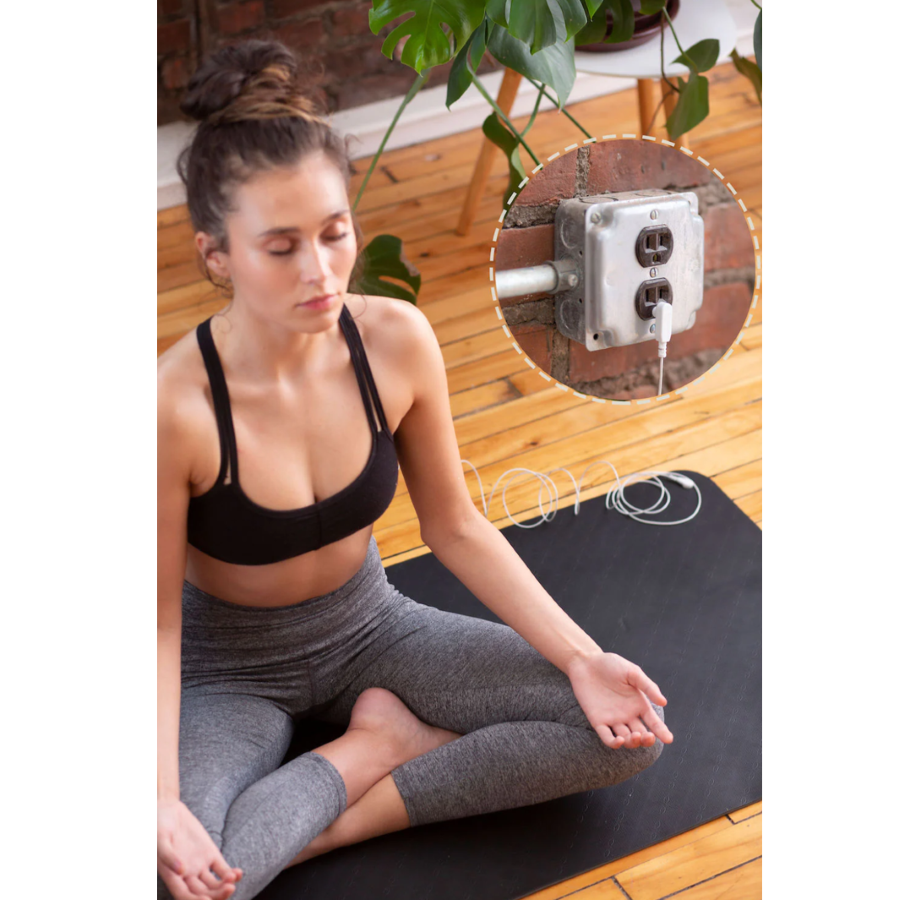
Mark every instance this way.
x=536 y=38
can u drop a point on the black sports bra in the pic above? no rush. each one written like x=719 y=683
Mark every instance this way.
x=227 y=525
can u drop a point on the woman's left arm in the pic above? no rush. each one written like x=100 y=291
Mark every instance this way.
x=479 y=555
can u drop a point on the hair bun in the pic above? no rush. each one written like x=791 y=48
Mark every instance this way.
x=220 y=80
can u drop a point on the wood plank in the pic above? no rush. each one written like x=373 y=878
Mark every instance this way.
x=741 y=480
x=741 y=883
x=695 y=862
x=754 y=809
x=585 y=882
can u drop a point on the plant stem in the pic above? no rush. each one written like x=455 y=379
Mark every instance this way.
x=542 y=92
x=567 y=114
x=756 y=5
x=421 y=78
x=502 y=115
x=662 y=59
x=674 y=35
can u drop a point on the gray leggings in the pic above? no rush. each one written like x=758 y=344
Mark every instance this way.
x=250 y=674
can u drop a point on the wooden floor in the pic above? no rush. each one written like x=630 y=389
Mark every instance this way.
x=506 y=415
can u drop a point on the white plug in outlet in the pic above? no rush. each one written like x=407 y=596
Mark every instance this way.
x=632 y=249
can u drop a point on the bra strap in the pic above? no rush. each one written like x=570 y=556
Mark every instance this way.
x=363 y=372
x=221 y=402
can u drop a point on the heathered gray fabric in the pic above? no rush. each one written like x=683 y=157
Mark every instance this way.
x=250 y=675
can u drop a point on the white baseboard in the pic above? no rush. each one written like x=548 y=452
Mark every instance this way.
x=426 y=117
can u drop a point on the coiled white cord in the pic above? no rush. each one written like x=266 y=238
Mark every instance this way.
x=615 y=499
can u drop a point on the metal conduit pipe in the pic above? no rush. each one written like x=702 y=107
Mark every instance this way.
x=551 y=278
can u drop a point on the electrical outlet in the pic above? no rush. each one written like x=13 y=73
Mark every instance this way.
x=654 y=246
x=657 y=290
x=627 y=246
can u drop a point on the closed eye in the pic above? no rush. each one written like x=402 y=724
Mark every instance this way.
x=337 y=237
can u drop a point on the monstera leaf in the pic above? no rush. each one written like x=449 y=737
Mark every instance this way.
x=538 y=23
x=428 y=44
x=554 y=66
x=383 y=258
x=460 y=75
x=622 y=14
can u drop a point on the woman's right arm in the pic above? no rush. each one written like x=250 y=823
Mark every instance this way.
x=185 y=851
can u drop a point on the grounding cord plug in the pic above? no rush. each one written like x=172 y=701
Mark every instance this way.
x=662 y=313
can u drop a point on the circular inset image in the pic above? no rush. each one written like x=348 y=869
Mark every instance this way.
x=625 y=269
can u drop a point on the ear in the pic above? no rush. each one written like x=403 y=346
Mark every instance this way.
x=216 y=259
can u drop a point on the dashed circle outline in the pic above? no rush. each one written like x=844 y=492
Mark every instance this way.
x=645 y=400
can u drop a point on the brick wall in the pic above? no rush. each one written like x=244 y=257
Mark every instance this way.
x=332 y=37
x=628 y=372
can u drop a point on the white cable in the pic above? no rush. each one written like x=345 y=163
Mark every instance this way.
x=662 y=313
x=615 y=499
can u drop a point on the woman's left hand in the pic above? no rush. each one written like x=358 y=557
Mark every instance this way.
x=613 y=693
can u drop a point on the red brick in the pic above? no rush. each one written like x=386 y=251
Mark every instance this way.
x=719 y=322
x=536 y=341
x=176 y=72
x=169 y=7
x=639 y=393
x=301 y=34
x=628 y=165
x=173 y=37
x=588 y=365
x=281 y=9
x=554 y=182
x=727 y=242
x=350 y=21
x=241 y=16
x=358 y=91
x=518 y=247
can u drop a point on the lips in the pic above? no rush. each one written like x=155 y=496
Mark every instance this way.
x=318 y=299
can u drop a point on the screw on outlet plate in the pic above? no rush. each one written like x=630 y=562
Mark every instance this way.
x=654 y=245
x=649 y=294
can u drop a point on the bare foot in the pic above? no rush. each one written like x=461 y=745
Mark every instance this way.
x=380 y=711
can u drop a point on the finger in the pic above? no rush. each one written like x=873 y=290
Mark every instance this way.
x=222 y=892
x=224 y=871
x=642 y=681
x=200 y=889
x=624 y=732
x=608 y=737
x=211 y=880
x=646 y=737
x=177 y=888
x=657 y=726
x=166 y=855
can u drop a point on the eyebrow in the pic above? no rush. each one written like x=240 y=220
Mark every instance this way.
x=286 y=229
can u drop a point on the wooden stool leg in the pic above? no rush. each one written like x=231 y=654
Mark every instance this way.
x=670 y=98
x=648 y=99
x=505 y=98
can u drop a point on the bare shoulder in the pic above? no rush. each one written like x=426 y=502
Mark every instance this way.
x=393 y=329
x=181 y=401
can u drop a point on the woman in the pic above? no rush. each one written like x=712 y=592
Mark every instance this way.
x=273 y=604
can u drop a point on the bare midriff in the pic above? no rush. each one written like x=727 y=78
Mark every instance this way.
x=283 y=583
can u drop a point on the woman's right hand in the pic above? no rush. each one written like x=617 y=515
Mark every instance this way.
x=188 y=859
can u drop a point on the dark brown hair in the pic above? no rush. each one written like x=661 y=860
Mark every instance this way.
x=254 y=113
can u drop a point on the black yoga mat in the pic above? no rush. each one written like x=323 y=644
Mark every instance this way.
x=684 y=603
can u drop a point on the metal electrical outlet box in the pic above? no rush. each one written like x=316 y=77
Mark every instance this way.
x=630 y=249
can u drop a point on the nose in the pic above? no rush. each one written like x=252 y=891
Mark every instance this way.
x=313 y=268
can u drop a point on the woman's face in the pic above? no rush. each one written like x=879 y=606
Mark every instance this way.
x=291 y=239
